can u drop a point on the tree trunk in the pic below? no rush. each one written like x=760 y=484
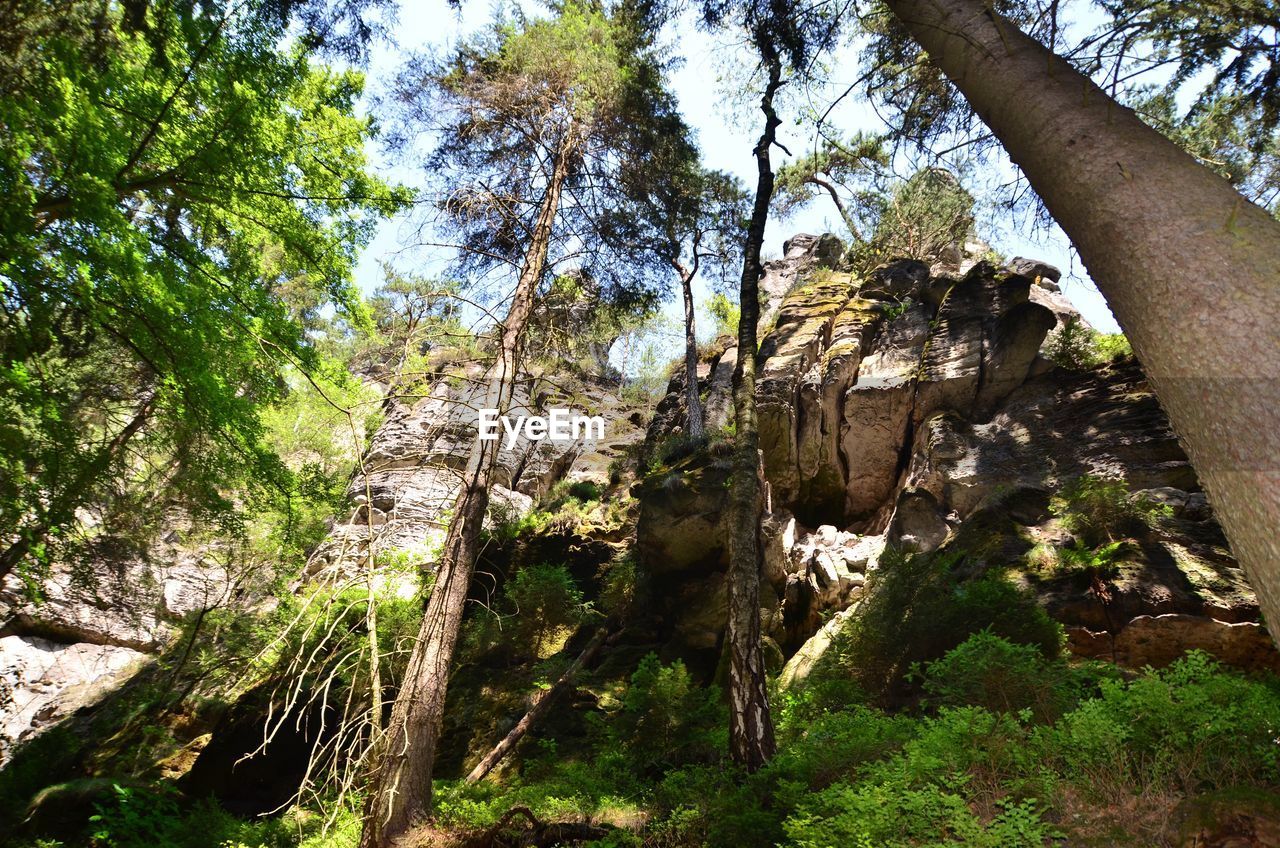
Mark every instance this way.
x=835 y=198
x=400 y=789
x=693 y=417
x=751 y=741
x=540 y=708
x=1190 y=268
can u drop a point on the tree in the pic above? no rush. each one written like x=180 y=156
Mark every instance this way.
x=845 y=171
x=920 y=218
x=784 y=37
x=169 y=176
x=532 y=117
x=1187 y=264
x=691 y=219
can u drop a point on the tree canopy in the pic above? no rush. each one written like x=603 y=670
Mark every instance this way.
x=178 y=208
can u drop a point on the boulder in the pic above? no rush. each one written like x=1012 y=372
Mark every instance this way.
x=1034 y=270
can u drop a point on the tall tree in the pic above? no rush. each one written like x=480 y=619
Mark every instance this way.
x=785 y=37
x=170 y=175
x=690 y=218
x=533 y=117
x=1188 y=265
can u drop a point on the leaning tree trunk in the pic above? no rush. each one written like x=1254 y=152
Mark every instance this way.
x=693 y=405
x=541 y=706
x=400 y=789
x=1190 y=268
x=751 y=741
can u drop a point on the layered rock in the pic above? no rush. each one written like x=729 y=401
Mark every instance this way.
x=92 y=626
x=406 y=483
x=913 y=408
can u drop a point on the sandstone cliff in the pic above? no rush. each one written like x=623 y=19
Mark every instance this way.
x=915 y=409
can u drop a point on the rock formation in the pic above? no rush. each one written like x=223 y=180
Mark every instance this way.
x=915 y=408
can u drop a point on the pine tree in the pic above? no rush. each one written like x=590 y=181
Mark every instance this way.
x=534 y=117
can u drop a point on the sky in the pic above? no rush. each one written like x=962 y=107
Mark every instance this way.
x=709 y=104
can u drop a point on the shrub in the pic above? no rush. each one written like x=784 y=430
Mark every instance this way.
x=1111 y=346
x=724 y=313
x=917 y=608
x=135 y=818
x=1100 y=510
x=619 y=586
x=836 y=745
x=881 y=815
x=1190 y=727
x=668 y=720
x=544 y=603
x=1001 y=676
x=1077 y=348
x=1071 y=346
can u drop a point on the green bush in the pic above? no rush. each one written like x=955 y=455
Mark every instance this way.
x=1077 y=348
x=917 y=608
x=543 y=605
x=668 y=720
x=1003 y=677
x=619 y=586
x=1111 y=346
x=889 y=816
x=1100 y=510
x=1190 y=727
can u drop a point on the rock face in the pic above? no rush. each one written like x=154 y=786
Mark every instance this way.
x=92 y=630
x=408 y=480
x=914 y=408
x=95 y=626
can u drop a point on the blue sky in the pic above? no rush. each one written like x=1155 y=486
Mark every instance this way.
x=709 y=103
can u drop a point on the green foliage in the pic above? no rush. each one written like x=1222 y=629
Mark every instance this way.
x=1111 y=346
x=1003 y=677
x=135 y=819
x=179 y=207
x=896 y=309
x=1077 y=348
x=574 y=509
x=917 y=608
x=725 y=313
x=600 y=98
x=665 y=718
x=920 y=219
x=619 y=586
x=1012 y=748
x=418 y=334
x=1101 y=511
x=890 y=815
x=844 y=171
x=1071 y=346
x=544 y=602
x=1222 y=104
x=670 y=449
x=1190 y=727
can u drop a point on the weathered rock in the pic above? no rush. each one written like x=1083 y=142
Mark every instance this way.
x=42 y=681
x=1033 y=269
x=1159 y=640
x=897 y=280
x=928 y=418
x=681 y=525
x=802 y=662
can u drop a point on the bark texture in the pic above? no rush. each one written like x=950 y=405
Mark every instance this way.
x=1189 y=267
x=693 y=404
x=751 y=740
x=400 y=789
